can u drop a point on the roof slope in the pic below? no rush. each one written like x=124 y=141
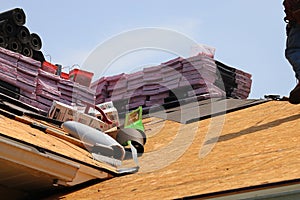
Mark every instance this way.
x=257 y=145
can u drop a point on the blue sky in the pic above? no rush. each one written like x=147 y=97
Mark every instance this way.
x=248 y=35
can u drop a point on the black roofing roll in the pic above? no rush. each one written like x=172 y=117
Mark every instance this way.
x=23 y=34
x=38 y=55
x=27 y=51
x=137 y=137
x=17 y=15
x=14 y=45
x=3 y=41
x=7 y=28
x=35 y=42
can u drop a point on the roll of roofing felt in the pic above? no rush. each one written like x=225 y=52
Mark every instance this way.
x=16 y=15
x=14 y=45
x=27 y=51
x=137 y=138
x=35 y=42
x=3 y=41
x=23 y=34
x=39 y=56
x=7 y=28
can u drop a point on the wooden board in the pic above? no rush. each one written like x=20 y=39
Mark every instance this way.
x=51 y=141
x=257 y=145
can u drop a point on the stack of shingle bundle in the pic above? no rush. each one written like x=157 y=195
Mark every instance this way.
x=66 y=90
x=152 y=80
x=112 y=81
x=83 y=95
x=134 y=96
x=8 y=66
x=244 y=82
x=27 y=73
x=74 y=93
x=170 y=82
x=20 y=73
x=236 y=83
x=15 y=36
x=200 y=73
x=100 y=88
x=47 y=89
x=8 y=73
x=118 y=91
x=172 y=73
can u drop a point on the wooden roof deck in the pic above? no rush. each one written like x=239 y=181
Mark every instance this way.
x=257 y=145
x=23 y=132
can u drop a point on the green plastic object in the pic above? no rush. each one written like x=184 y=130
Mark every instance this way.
x=134 y=119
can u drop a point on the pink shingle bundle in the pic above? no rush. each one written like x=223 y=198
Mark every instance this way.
x=27 y=71
x=170 y=81
x=9 y=57
x=8 y=66
x=83 y=95
x=200 y=73
x=21 y=72
x=112 y=82
x=172 y=73
x=100 y=88
x=38 y=87
x=66 y=90
x=134 y=82
x=8 y=72
x=152 y=78
x=244 y=82
x=198 y=70
x=47 y=89
x=72 y=92
x=119 y=89
x=136 y=98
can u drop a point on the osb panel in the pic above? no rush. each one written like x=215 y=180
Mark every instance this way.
x=25 y=133
x=257 y=145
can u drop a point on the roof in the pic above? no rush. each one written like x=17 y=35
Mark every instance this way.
x=258 y=145
x=34 y=160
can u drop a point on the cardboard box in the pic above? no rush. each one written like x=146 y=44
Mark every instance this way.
x=63 y=112
x=98 y=124
x=110 y=111
x=58 y=110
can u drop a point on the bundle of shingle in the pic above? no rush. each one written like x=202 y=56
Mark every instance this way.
x=21 y=77
x=55 y=88
x=134 y=96
x=100 y=88
x=33 y=85
x=116 y=87
x=178 y=79
x=47 y=89
x=83 y=95
x=66 y=90
x=21 y=73
x=235 y=82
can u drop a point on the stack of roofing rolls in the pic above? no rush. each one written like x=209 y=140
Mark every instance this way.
x=15 y=36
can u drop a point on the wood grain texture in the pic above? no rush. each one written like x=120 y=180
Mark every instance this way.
x=257 y=145
x=24 y=132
